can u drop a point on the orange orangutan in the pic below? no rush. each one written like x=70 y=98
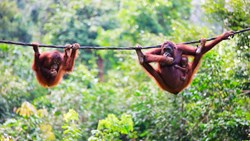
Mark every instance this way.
x=50 y=67
x=173 y=72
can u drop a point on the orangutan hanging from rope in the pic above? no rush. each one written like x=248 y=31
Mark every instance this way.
x=173 y=72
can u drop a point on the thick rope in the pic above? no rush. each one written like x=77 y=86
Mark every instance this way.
x=110 y=47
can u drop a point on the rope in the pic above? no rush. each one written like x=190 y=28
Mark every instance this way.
x=110 y=47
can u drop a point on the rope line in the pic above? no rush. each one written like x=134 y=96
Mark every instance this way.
x=110 y=47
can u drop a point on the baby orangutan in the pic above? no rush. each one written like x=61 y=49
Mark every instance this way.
x=183 y=67
x=49 y=67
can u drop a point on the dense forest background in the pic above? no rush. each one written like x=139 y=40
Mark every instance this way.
x=108 y=96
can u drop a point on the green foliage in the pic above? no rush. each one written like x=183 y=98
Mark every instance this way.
x=12 y=25
x=149 y=17
x=234 y=13
x=32 y=125
x=111 y=128
x=71 y=131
